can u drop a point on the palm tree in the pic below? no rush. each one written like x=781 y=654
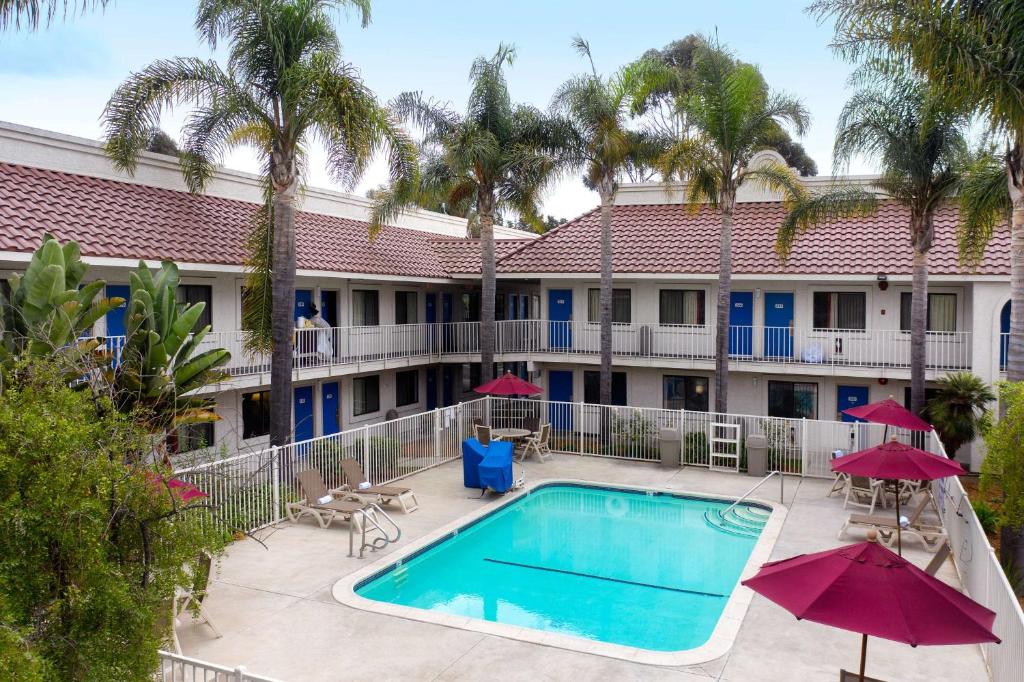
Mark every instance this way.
x=921 y=146
x=284 y=87
x=731 y=115
x=959 y=411
x=31 y=12
x=595 y=138
x=482 y=163
x=970 y=53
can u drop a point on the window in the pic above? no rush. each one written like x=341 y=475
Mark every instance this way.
x=685 y=393
x=621 y=308
x=677 y=306
x=840 y=310
x=193 y=437
x=365 y=395
x=499 y=307
x=190 y=294
x=929 y=393
x=470 y=377
x=365 y=307
x=406 y=307
x=407 y=388
x=592 y=388
x=792 y=399
x=941 y=312
x=255 y=414
x=471 y=306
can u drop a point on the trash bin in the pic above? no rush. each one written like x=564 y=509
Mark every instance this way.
x=670 y=445
x=757 y=455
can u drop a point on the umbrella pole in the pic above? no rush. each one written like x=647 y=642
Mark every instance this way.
x=899 y=524
x=863 y=655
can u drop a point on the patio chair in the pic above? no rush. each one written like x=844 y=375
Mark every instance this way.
x=531 y=424
x=862 y=488
x=325 y=505
x=841 y=480
x=931 y=536
x=195 y=594
x=939 y=559
x=483 y=434
x=847 y=676
x=539 y=444
x=360 y=486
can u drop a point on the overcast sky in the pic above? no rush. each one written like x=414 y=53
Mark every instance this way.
x=60 y=78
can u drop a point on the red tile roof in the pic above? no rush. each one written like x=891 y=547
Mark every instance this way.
x=462 y=256
x=127 y=220
x=665 y=238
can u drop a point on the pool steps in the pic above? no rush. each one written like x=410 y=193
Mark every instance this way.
x=743 y=521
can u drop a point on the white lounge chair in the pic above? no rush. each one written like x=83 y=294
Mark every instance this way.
x=932 y=536
x=192 y=598
x=359 y=486
x=539 y=444
x=861 y=488
x=325 y=505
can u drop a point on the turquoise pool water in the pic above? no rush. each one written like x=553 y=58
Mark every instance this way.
x=632 y=568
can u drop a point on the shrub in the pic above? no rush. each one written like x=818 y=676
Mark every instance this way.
x=988 y=516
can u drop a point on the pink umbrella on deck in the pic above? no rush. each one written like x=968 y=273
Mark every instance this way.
x=185 y=490
x=890 y=413
x=509 y=384
x=867 y=588
x=900 y=462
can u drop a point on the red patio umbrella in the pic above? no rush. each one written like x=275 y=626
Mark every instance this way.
x=900 y=462
x=867 y=588
x=890 y=413
x=186 y=491
x=509 y=384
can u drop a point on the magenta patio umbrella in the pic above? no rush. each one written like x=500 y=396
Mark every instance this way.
x=890 y=413
x=509 y=384
x=897 y=461
x=867 y=588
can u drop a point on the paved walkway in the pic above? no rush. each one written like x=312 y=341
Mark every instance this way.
x=274 y=606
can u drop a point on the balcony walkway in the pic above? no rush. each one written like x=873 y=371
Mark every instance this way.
x=275 y=608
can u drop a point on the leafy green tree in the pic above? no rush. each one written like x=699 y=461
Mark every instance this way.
x=92 y=543
x=160 y=142
x=592 y=134
x=960 y=410
x=731 y=112
x=30 y=13
x=482 y=163
x=969 y=52
x=1003 y=469
x=921 y=146
x=665 y=118
x=50 y=307
x=284 y=88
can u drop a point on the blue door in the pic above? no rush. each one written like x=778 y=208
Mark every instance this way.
x=431 y=302
x=560 y=316
x=331 y=405
x=513 y=307
x=329 y=306
x=778 y=324
x=303 y=413
x=447 y=391
x=850 y=396
x=431 y=388
x=303 y=301
x=115 y=318
x=560 y=390
x=741 y=321
x=1004 y=340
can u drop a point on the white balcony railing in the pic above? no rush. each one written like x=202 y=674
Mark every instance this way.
x=875 y=348
x=341 y=346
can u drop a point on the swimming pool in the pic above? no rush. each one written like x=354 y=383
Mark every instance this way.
x=626 y=568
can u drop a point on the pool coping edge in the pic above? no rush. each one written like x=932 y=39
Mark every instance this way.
x=718 y=644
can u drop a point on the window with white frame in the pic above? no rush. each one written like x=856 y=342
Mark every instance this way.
x=685 y=393
x=792 y=399
x=365 y=307
x=365 y=395
x=190 y=294
x=941 y=312
x=406 y=307
x=255 y=414
x=621 y=306
x=840 y=310
x=407 y=388
x=681 y=306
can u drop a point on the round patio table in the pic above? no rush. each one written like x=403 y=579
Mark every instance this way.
x=513 y=434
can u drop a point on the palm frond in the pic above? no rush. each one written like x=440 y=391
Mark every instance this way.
x=30 y=13
x=808 y=211
x=984 y=196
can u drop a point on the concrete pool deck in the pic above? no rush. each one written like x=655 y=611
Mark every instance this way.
x=274 y=605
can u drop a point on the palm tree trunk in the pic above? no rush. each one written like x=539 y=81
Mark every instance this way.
x=724 y=302
x=282 y=326
x=487 y=287
x=918 y=322
x=1015 y=354
x=607 y=195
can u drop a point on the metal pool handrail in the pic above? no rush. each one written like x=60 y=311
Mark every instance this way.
x=782 y=491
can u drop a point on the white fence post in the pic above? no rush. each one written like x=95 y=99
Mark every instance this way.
x=579 y=425
x=240 y=673
x=459 y=422
x=437 y=435
x=803 y=446
x=367 y=464
x=275 y=477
